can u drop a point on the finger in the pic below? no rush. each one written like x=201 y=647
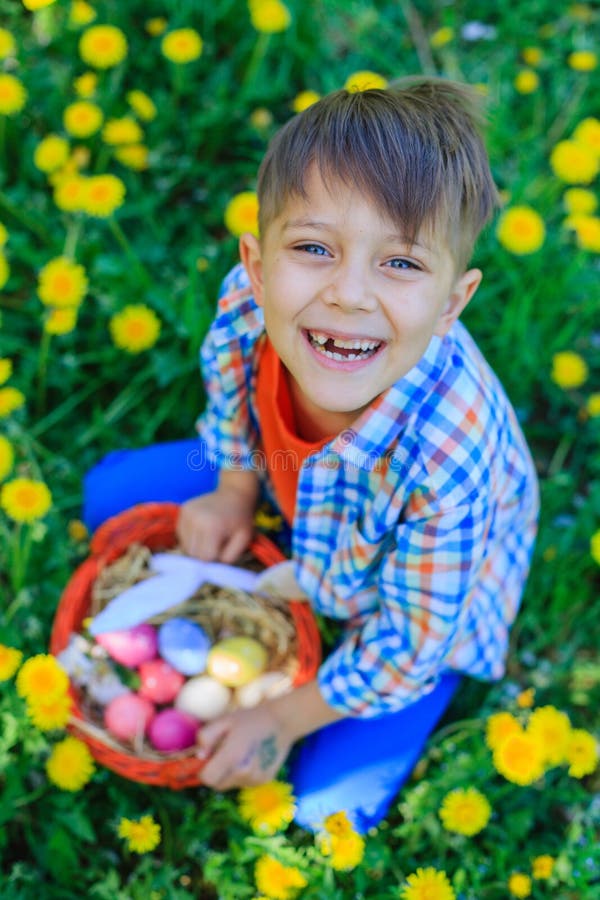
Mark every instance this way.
x=233 y=548
x=211 y=735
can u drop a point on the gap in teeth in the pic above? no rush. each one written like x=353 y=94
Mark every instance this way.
x=365 y=345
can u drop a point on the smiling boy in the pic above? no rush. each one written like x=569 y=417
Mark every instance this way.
x=408 y=486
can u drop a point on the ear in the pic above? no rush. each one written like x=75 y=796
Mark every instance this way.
x=251 y=256
x=461 y=294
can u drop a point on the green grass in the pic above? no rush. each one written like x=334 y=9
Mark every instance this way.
x=84 y=397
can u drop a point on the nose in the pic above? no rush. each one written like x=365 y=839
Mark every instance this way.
x=350 y=289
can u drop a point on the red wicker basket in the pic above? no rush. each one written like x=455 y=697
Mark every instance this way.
x=153 y=524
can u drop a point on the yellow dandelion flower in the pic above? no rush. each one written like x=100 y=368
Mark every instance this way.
x=587 y=132
x=428 y=884
x=13 y=95
x=574 y=162
x=77 y=530
x=142 y=105
x=592 y=405
x=103 y=195
x=587 y=231
x=156 y=26
x=441 y=37
x=135 y=328
x=6 y=369
x=277 y=881
x=580 y=201
x=582 y=60
x=51 y=153
x=553 y=730
x=519 y=885
x=34 y=5
x=103 y=46
x=526 y=81
x=595 y=546
x=142 y=835
x=122 y=131
x=49 y=714
x=80 y=157
x=542 y=866
x=60 y=321
x=304 y=99
x=581 y=12
x=62 y=283
x=241 y=214
x=42 y=677
x=8 y=46
x=7 y=457
x=338 y=823
x=70 y=764
x=261 y=118
x=364 y=81
x=520 y=758
x=267 y=807
x=3 y=235
x=521 y=230
x=269 y=16
x=4 y=270
x=582 y=753
x=82 y=118
x=181 y=46
x=11 y=399
x=532 y=55
x=69 y=192
x=25 y=500
x=569 y=370
x=344 y=851
x=133 y=156
x=526 y=698
x=81 y=13
x=10 y=660
x=85 y=85
x=465 y=811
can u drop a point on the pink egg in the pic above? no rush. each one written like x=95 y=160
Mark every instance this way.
x=131 y=646
x=127 y=717
x=172 y=730
x=159 y=681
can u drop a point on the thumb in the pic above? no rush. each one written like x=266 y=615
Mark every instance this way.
x=212 y=734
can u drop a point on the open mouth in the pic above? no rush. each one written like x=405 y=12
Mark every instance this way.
x=343 y=348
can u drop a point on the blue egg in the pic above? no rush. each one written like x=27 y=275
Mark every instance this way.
x=184 y=645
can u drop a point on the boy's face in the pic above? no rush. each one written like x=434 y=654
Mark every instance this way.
x=349 y=305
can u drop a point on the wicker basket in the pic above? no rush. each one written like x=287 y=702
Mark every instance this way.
x=153 y=524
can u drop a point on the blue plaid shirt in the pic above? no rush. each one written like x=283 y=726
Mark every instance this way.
x=414 y=528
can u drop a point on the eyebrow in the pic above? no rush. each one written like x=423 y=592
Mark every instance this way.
x=313 y=223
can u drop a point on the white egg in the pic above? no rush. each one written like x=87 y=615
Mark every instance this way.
x=203 y=697
x=266 y=686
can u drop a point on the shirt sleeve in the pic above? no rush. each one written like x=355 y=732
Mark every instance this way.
x=396 y=654
x=226 y=359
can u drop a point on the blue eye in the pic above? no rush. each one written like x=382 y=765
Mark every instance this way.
x=313 y=249
x=403 y=264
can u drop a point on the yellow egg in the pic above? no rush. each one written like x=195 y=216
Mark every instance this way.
x=235 y=661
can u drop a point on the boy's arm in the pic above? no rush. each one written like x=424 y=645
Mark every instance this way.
x=249 y=746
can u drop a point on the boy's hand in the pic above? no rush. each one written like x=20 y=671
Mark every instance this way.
x=246 y=747
x=219 y=525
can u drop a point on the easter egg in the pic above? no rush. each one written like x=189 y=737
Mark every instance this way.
x=184 y=645
x=159 y=682
x=172 y=730
x=270 y=684
x=131 y=646
x=235 y=661
x=127 y=717
x=203 y=697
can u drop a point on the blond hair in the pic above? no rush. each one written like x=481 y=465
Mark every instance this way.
x=414 y=148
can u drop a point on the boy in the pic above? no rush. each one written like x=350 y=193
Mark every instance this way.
x=337 y=361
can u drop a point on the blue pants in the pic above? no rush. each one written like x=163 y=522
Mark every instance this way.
x=356 y=765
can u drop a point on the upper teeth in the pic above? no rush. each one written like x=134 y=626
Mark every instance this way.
x=322 y=338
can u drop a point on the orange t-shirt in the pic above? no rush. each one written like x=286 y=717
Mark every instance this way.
x=284 y=450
